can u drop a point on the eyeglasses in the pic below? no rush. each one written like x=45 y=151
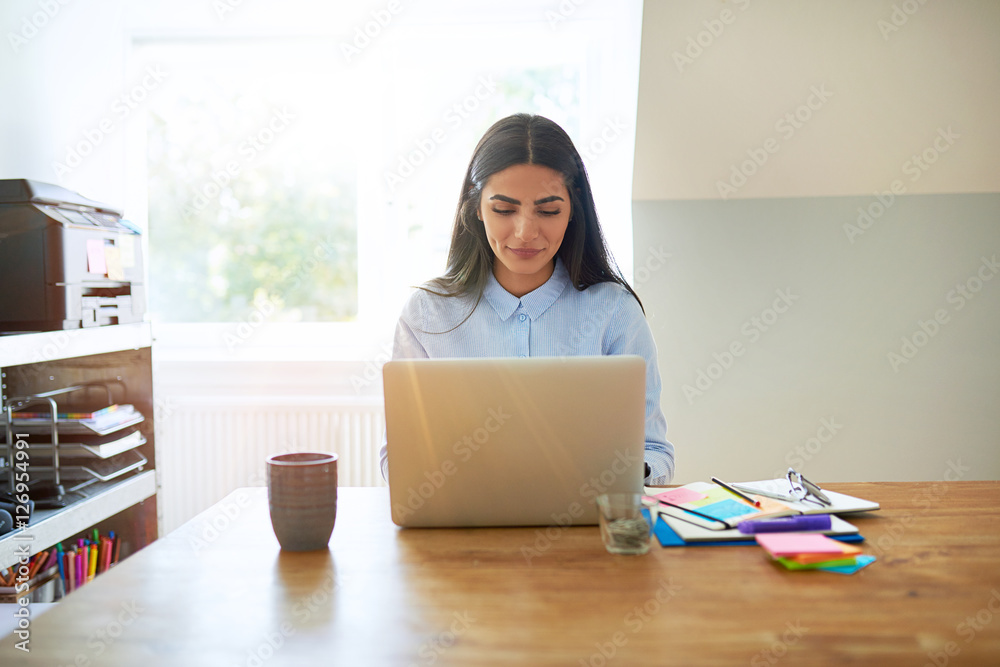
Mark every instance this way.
x=802 y=489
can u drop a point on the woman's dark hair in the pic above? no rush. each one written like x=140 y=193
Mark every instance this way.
x=515 y=140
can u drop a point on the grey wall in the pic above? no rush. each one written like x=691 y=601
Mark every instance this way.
x=782 y=342
x=832 y=170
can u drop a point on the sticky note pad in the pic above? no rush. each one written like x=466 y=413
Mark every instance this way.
x=791 y=544
x=834 y=561
x=681 y=495
x=727 y=509
x=95 y=257
x=860 y=562
x=113 y=260
x=846 y=550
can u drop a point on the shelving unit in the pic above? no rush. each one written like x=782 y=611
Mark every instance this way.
x=124 y=501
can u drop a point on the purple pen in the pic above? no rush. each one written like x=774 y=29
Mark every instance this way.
x=786 y=524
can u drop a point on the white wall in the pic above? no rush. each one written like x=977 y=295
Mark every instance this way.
x=885 y=94
x=56 y=107
x=876 y=367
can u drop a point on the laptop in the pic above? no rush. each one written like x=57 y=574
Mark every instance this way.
x=512 y=441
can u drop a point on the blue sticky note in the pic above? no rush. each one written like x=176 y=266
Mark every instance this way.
x=860 y=562
x=726 y=509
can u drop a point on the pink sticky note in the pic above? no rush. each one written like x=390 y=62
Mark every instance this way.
x=790 y=544
x=95 y=256
x=680 y=495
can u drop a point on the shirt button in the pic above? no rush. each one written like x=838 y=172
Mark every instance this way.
x=522 y=317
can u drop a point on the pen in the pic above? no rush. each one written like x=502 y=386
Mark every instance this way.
x=59 y=562
x=755 y=503
x=71 y=568
x=766 y=494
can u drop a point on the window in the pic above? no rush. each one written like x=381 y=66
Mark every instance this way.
x=252 y=197
x=302 y=178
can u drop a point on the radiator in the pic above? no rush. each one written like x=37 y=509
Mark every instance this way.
x=205 y=449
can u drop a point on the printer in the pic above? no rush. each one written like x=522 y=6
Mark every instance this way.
x=66 y=262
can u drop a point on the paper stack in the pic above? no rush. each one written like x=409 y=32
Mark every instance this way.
x=812 y=551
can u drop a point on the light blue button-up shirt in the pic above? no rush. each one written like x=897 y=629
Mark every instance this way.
x=553 y=320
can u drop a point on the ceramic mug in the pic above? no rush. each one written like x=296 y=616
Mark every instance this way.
x=302 y=498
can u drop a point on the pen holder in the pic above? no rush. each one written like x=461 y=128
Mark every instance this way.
x=302 y=499
x=43 y=587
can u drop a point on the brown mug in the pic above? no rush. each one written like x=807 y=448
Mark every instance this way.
x=302 y=498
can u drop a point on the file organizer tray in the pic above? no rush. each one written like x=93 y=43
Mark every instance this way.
x=109 y=457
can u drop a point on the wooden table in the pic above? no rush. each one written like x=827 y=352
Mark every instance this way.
x=219 y=592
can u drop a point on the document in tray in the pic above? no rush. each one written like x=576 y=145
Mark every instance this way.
x=712 y=507
x=840 y=503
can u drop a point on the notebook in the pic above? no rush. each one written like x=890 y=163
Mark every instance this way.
x=512 y=441
x=692 y=534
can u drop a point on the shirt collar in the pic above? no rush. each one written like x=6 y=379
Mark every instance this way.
x=534 y=303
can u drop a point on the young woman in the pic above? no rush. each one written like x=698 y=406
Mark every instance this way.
x=529 y=273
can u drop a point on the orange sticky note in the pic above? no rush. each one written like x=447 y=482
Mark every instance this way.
x=848 y=551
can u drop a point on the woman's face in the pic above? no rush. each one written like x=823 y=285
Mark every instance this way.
x=525 y=209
